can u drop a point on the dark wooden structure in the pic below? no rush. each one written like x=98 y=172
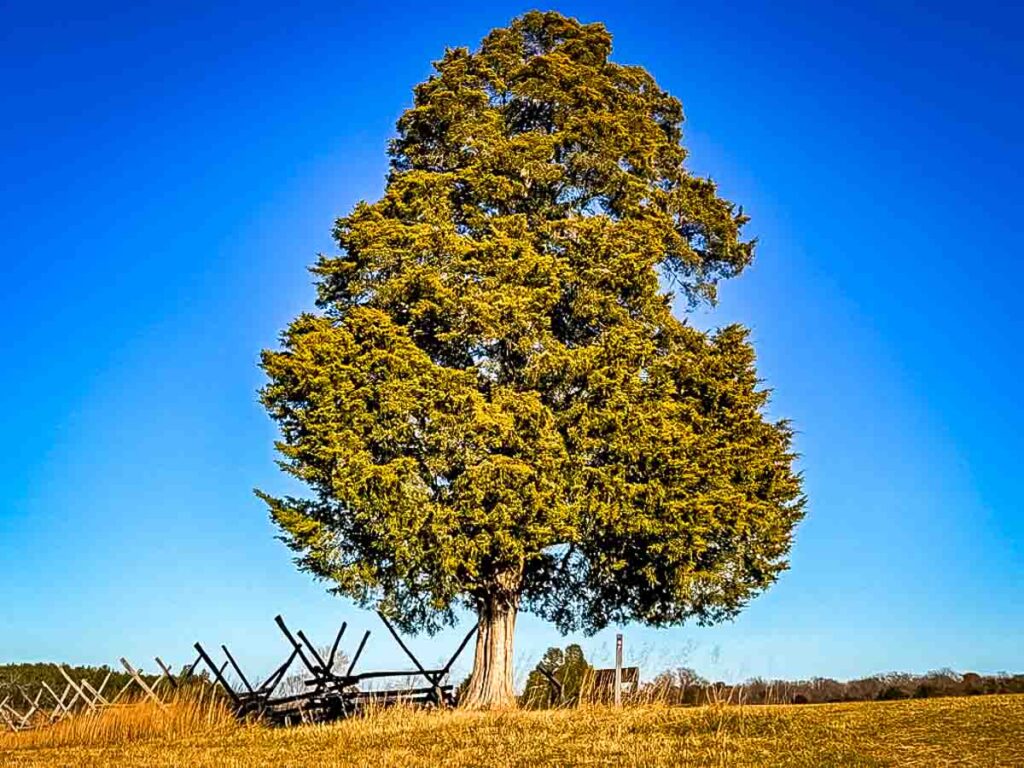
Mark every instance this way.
x=331 y=695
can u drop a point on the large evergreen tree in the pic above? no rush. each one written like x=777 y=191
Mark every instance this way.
x=495 y=406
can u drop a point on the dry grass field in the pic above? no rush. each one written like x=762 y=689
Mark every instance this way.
x=977 y=731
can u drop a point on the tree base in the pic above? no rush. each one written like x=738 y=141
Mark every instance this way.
x=490 y=684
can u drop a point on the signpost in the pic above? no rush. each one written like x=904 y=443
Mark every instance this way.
x=618 y=670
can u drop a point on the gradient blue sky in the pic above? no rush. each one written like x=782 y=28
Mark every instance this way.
x=167 y=173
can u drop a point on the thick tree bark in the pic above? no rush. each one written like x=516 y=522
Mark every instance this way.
x=490 y=685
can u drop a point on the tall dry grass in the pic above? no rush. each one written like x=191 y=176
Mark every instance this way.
x=202 y=734
x=187 y=714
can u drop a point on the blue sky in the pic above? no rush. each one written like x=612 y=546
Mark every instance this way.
x=167 y=173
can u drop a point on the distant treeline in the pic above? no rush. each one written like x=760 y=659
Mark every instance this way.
x=684 y=686
x=563 y=678
x=568 y=677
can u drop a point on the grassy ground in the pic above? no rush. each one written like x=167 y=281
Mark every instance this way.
x=979 y=731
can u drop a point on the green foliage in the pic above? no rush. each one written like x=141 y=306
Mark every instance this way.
x=570 y=670
x=495 y=401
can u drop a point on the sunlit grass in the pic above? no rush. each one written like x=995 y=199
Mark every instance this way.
x=194 y=713
x=976 y=731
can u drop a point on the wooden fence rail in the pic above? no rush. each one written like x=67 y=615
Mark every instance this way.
x=324 y=693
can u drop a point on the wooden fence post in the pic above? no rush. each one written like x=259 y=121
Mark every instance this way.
x=79 y=693
x=167 y=673
x=140 y=682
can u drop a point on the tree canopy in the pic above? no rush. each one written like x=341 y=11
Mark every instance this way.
x=495 y=400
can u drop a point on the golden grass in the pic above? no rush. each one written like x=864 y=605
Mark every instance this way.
x=186 y=716
x=981 y=731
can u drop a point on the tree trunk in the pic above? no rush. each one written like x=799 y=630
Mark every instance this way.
x=490 y=685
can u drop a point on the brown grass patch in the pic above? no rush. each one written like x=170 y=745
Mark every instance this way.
x=190 y=714
x=977 y=731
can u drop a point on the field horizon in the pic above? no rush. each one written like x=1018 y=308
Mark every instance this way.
x=966 y=731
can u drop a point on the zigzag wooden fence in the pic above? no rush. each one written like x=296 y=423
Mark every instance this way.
x=20 y=710
x=328 y=695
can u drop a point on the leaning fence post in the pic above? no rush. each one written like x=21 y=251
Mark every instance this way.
x=337 y=642
x=437 y=694
x=97 y=696
x=79 y=693
x=268 y=686
x=218 y=674
x=139 y=681
x=3 y=713
x=465 y=641
x=295 y=644
x=238 y=669
x=60 y=701
x=167 y=673
x=187 y=673
x=355 y=656
x=313 y=652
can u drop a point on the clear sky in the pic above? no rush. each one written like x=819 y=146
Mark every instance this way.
x=167 y=174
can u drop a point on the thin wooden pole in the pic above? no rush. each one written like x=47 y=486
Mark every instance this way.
x=618 y=670
x=3 y=712
x=458 y=651
x=139 y=681
x=337 y=642
x=97 y=696
x=275 y=678
x=438 y=693
x=359 y=650
x=187 y=674
x=60 y=701
x=106 y=680
x=312 y=650
x=167 y=672
x=405 y=648
x=238 y=669
x=76 y=689
x=291 y=639
x=218 y=673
